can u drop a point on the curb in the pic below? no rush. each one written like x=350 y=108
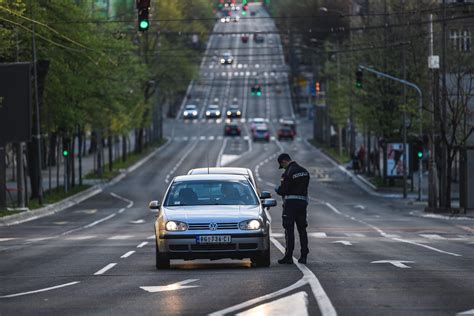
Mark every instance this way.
x=357 y=179
x=76 y=198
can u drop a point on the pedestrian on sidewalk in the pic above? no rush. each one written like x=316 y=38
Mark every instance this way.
x=294 y=191
x=361 y=158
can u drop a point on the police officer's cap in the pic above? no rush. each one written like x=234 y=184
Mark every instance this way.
x=282 y=157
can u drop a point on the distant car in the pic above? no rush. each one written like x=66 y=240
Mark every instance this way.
x=233 y=170
x=253 y=13
x=244 y=38
x=234 y=112
x=190 y=111
x=227 y=59
x=232 y=129
x=258 y=38
x=285 y=132
x=235 y=18
x=213 y=111
x=212 y=216
x=255 y=122
x=288 y=122
x=261 y=132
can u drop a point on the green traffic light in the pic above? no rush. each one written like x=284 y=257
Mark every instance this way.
x=244 y=12
x=259 y=93
x=144 y=24
x=420 y=154
x=358 y=85
x=65 y=153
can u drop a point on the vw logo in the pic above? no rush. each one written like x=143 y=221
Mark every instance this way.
x=213 y=226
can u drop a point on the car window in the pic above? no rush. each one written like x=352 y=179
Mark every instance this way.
x=211 y=192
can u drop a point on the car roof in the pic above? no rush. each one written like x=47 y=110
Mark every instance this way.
x=190 y=106
x=262 y=128
x=200 y=177
x=220 y=170
x=233 y=106
x=213 y=106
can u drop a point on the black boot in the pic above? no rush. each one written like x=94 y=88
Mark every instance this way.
x=286 y=260
x=302 y=259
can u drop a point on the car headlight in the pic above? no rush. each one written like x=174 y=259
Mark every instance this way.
x=195 y=113
x=229 y=60
x=176 y=226
x=218 y=113
x=238 y=113
x=208 y=113
x=252 y=224
x=229 y=113
x=185 y=113
x=222 y=20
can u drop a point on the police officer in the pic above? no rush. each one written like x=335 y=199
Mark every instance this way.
x=294 y=191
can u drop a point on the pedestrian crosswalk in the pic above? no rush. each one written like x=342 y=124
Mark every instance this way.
x=353 y=235
x=212 y=138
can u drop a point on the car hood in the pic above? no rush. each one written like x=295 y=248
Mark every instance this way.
x=215 y=213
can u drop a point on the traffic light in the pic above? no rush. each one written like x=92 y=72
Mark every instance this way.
x=245 y=7
x=65 y=152
x=317 y=87
x=256 y=90
x=359 y=77
x=420 y=153
x=143 y=7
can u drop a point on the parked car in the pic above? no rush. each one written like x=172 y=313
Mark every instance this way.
x=212 y=216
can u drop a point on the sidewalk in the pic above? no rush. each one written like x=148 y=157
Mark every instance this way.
x=53 y=176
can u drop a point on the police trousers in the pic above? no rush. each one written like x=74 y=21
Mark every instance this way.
x=294 y=212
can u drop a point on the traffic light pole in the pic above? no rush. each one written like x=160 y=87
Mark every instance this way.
x=420 y=113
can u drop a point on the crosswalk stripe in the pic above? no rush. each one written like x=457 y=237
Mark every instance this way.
x=357 y=235
x=120 y=237
x=318 y=235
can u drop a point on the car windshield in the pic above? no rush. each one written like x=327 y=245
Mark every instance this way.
x=211 y=192
x=190 y=107
x=213 y=107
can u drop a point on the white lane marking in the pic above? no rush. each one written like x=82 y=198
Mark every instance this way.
x=128 y=254
x=39 y=239
x=390 y=236
x=221 y=152
x=171 y=287
x=433 y=236
x=81 y=237
x=105 y=269
x=359 y=206
x=120 y=237
x=278 y=235
x=357 y=235
x=324 y=303
x=186 y=154
x=89 y=212
x=397 y=263
x=130 y=202
x=138 y=221
x=143 y=244
x=301 y=282
x=41 y=290
x=469 y=312
x=6 y=239
x=295 y=305
x=318 y=235
x=344 y=242
x=151 y=237
x=121 y=210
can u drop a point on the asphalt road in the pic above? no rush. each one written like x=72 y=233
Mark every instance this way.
x=368 y=256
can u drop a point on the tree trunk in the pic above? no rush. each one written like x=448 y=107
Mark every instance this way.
x=73 y=161
x=33 y=167
x=111 y=154
x=79 y=156
x=53 y=139
x=124 y=147
x=339 y=139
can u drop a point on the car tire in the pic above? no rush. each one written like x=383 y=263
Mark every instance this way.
x=161 y=261
x=263 y=260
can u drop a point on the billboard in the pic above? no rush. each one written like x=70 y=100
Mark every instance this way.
x=15 y=102
x=395 y=159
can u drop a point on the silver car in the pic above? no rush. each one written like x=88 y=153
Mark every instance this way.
x=212 y=216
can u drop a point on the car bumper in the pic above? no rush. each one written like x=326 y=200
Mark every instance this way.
x=184 y=246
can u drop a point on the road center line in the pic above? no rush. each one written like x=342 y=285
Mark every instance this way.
x=40 y=290
x=105 y=269
x=130 y=202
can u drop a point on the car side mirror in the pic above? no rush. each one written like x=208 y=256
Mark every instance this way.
x=265 y=195
x=269 y=203
x=154 y=205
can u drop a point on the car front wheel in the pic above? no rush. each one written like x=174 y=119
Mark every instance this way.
x=161 y=261
x=263 y=260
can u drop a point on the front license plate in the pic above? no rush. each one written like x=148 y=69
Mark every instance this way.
x=214 y=239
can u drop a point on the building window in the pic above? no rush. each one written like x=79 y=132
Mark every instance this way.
x=460 y=40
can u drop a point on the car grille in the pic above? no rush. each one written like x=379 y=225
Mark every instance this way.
x=220 y=226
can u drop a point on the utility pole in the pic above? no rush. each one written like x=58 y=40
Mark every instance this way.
x=444 y=153
x=405 y=123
